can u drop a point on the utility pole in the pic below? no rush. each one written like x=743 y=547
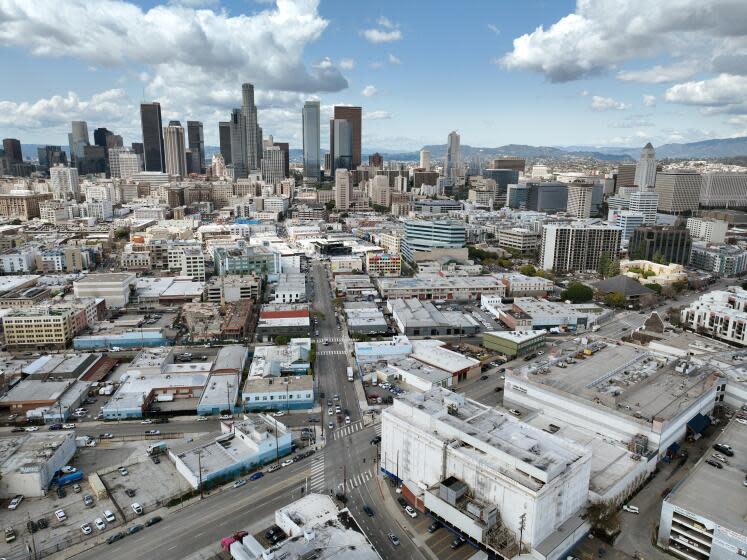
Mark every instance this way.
x=199 y=468
x=277 y=447
x=228 y=398
x=522 y=526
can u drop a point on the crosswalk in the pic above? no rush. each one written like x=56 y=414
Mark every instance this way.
x=316 y=481
x=347 y=430
x=355 y=481
x=332 y=339
x=331 y=353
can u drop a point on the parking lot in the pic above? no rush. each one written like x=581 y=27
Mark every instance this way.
x=150 y=484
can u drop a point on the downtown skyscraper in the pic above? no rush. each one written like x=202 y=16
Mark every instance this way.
x=246 y=134
x=311 y=139
x=196 y=140
x=354 y=117
x=176 y=156
x=154 y=156
x=452 y=162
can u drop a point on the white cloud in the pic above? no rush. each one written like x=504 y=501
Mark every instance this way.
x=720 y=92
x=347 y=63
x=377 y=115
x=649 y=100
x=493 y=29
x=384 y=21
x=387 y=31
x=584 y=92
x=375 y=65
x=602 y=34
x=660 y=74
x=193 y=61
x=112 y=106
x=380 y=36
x=369 y=91
x=393 y=59
x=599 y=103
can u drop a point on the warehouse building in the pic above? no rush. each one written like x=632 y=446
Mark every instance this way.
x=29 y=462
x=114 y=287
x=365 y=318
x=486 y=474
x=621 y=392
x=439 y=287
x=276 y=319
x=241 y=446
x=514 y=344
x=278 y=393
x=434 y=353
x=414 y=317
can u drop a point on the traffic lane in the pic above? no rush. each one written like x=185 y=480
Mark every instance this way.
x=131 y=428
x=332 y=371
x=207 y=521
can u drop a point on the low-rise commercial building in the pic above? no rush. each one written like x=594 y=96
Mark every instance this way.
x=520 y=285
x=290 y=288
x=415 y=317
x=648 y=272
x=115 y=288
x=278 y=393
x=291 y=320
x=41 y=327
x=514 y=344
x=383 y=264
x=284 y=359
x=365 y=318
x=438 y=287
x=29 y=462
x=346 y=264
x=520 y=239
x=242 y=445
x=435 y=354
x=233 y=287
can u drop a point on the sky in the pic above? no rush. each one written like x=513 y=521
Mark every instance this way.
x=539 y=72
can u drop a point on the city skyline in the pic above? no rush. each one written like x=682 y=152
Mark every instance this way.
x=592 y=74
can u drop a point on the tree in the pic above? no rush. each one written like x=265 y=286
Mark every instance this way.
x=330 y=205
x=679 y=286
x=121 y=233
x=658 y=258
x=528 y=270
x=614 y=268
x=614 y=299
x=282 y=339
x=655 y=287
x=604 y=264
x=577 y=293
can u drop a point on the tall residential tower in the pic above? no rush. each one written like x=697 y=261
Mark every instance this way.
x=311 y=139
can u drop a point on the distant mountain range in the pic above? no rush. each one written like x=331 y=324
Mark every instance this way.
x=716 y=148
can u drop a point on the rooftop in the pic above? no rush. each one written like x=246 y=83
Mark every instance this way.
x=516 y=336
x=522 y=452
x=30 y=451
x=718 y=494
x=98 y=278
x=277 y=384
x=15 y=281
x=433 y=353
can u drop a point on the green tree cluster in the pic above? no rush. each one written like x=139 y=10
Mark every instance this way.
x=577 y=293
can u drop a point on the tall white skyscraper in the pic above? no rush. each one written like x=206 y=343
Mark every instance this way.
x=176 y=153
x=272 y=164
x=452 y=163
x=343 y=189
x=246 y=135
x=425 y=160
x=310 y=118
x=645 y=170
x=124 y=163
x=579 y=199
x=646 y=203
x=65 y=182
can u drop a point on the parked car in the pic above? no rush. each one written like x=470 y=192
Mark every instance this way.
x=201 y=419
x=433 y=527
x=257 y=475
x=76 y=488
x=239 y=483
x=401 y=501
x=137 y=508
x=68 y=426
x=146 y=421
x=376 y=440
x=130 y=492
x=724 y=448
x=32 y=526
x=393 y=539
x=60 y=515
x=273 y=468
x=100 y=525
x=153 y=520
x=87 y=500
x=68 y=469
x=226 y=417
x=152 y=432
x=368 y=511
x=409 y=510
x=86 y=528
x=15 y=502
x=630 y=509
x=115 y=537
x=123 y=471
x=286 y=463
x=714 y=463
x=456 y=543
x=134 y=529
x=109 y=516
x=514 y=412
x=42 y=523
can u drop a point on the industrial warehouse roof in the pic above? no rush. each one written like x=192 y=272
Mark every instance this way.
x=492 y=437
x=30 y=451
x=516 y=336
x=433 y=353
